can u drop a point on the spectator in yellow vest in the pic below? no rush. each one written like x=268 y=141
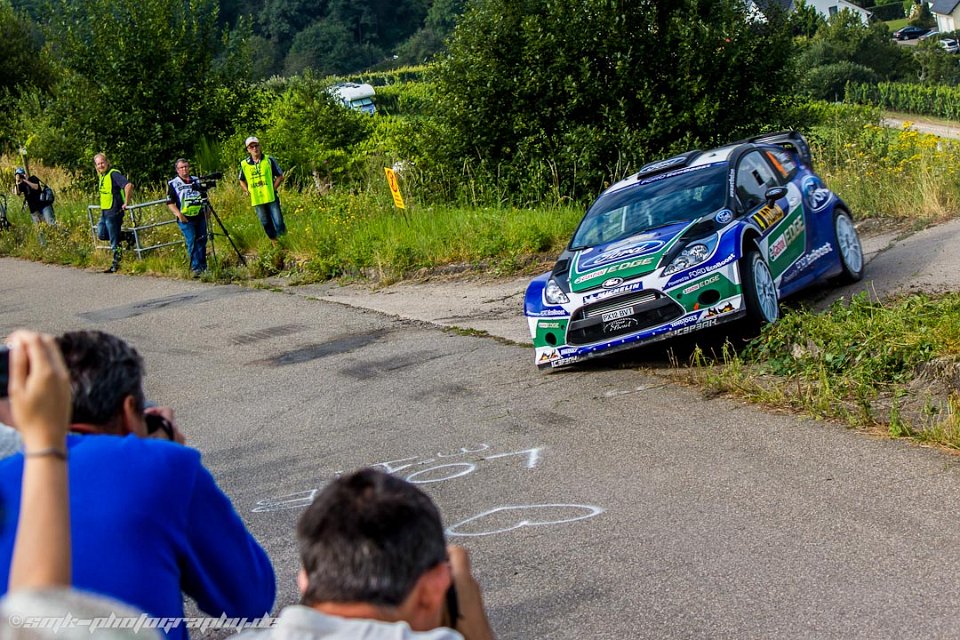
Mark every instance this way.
x=115 y=194
x=260 y=176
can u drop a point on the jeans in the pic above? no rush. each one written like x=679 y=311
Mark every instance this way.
x=195 y=233
x=114 y=222
x=271 y=218
x=44 y=215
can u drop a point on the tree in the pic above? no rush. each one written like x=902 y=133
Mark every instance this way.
x=844 y=42
x=806 y=20
x=20 y=50
x=143 y=80
x=577 y=92
x=328 y=47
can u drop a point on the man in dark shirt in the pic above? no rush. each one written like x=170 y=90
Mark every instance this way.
x=30 y=189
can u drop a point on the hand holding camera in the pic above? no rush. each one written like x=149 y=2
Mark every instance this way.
x=471 y=618
x=39 y=388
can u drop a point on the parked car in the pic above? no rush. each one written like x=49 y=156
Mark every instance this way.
x=929 y=34
x=691 y=242
x=950 y=45
x=909 y=32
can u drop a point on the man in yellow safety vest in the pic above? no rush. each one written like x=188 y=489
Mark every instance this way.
x=260 y=176
x=115 y=195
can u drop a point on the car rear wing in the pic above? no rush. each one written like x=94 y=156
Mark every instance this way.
x=790 y=140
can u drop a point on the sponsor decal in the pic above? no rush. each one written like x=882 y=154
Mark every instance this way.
x=788 y=237
x=731 y=182
x=712 y=322
x=611 y=283
x=616 y=254
x=702 y=284
x=609 y=293
x=548 y=325
x=547 y=313
x=682 y=322
x=700 y=271
x=693 y=273
x=632 y=264
x=620 y=324
x=723 y=217
x=768 y=216
x=813 y=256
x=680 y=172
x=565 y=361
x=816 y=195
x=719 y=311
x=547 y=356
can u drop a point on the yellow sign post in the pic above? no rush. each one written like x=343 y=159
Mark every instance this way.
x=394 y=187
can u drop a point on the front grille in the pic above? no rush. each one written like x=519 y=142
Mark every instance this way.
x=647 y=309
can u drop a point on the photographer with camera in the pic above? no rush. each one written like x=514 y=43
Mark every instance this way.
x=149 y=523
x=260 y=177
x=375 y=565
x=115 y=194
x=185 y=198
x=38 y=199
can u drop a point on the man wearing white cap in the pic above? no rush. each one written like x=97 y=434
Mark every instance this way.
x=260 y=176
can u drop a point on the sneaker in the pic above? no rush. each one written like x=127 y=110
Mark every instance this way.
x=113 y=268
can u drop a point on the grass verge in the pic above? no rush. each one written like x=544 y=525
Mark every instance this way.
x=890 y=367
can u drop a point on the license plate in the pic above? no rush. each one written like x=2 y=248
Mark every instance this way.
x=619 y=313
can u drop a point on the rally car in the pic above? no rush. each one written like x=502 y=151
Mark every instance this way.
x=690 y=242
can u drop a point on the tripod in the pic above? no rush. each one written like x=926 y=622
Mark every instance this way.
x=210 y=212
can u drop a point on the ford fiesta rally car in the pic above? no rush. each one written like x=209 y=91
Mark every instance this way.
x=690 y=242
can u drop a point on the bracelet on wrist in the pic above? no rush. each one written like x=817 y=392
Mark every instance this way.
x=52 y=452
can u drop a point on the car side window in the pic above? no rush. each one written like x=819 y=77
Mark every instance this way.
x=784 y=166
x=754 y=177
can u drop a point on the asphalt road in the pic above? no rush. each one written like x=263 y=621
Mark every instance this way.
x=597 y=503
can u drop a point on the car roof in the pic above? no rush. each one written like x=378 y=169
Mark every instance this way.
x=720 y=154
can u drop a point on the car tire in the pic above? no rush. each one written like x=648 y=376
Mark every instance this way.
x=759 y=290
x=847 y=242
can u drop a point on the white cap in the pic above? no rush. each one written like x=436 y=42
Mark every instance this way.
x=246 y=143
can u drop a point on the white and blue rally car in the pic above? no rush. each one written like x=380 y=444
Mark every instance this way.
x=690 y=242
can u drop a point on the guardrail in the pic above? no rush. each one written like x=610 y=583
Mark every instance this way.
x=138 y=226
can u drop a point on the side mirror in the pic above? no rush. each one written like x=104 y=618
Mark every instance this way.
x=775 y=193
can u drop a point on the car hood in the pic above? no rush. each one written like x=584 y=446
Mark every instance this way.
x=625 y=258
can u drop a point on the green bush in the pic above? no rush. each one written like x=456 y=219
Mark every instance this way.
x=828 y=82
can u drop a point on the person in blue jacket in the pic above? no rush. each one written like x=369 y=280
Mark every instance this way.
x=149 y=523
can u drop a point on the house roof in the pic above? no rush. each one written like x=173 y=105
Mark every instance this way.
x=944 y=7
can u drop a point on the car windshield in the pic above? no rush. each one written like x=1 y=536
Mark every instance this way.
x=655 y=202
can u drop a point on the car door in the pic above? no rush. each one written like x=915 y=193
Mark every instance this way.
x=782 y=224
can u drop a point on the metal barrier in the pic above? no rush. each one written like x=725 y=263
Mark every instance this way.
x=135 y=230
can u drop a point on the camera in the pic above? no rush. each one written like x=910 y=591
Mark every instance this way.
x=4 y=370
x=207 y=182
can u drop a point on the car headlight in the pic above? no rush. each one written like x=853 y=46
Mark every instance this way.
x=553 y=294
x=692 y=255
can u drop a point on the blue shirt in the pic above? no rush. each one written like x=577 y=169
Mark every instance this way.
x=147 y=521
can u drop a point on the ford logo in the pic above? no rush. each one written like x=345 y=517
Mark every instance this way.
x=610 y=283
x=723 y=217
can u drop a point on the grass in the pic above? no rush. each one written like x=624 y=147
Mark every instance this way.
x=902 y=378
x=352 y=235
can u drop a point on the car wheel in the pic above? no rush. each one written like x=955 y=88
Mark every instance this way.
x=759 y=291
x=848 y=244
